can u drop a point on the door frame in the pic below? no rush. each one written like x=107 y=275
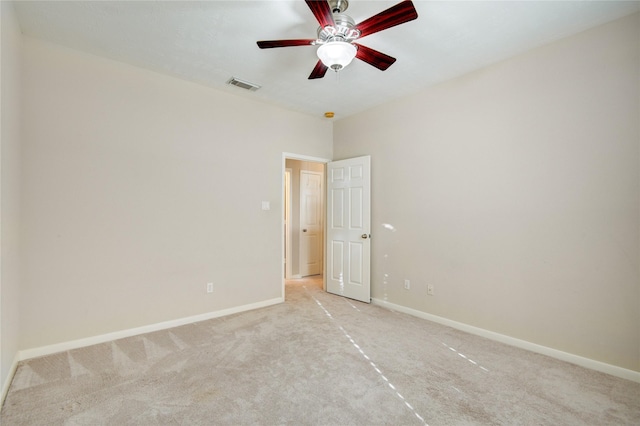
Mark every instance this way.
x=287 y=213
x=300 y=157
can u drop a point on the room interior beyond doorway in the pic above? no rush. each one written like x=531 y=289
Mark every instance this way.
x=304 y=218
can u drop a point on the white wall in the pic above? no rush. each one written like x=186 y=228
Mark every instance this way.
x=515 y=191
x=139 y=189
x=10 y=192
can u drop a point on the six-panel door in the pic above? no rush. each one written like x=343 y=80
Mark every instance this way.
x=349 y=228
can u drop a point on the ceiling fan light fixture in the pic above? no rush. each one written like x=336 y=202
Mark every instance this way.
x=337 y=54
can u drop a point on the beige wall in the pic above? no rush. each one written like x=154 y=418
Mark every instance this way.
x=515 y=191
x=10 y=191
x=139 y=189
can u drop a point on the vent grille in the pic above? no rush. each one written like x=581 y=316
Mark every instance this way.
x=243 y=84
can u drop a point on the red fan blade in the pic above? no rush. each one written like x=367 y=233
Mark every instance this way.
x=373 y=57
x=319 y=71
x=321 y=11
x=395 y=15
x=285 y=43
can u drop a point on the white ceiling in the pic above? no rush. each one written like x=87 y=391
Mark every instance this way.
x=210 y=41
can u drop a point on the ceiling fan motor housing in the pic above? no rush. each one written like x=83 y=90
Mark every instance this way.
x=342 y=30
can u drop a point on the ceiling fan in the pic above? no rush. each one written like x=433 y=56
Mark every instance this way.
x=337 y=34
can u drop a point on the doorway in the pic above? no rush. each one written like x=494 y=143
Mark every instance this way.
x=346 y=238
x=303 y=217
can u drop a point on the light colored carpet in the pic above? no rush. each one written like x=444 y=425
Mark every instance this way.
x=316 y=359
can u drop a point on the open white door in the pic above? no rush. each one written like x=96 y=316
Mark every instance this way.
x=349 y=227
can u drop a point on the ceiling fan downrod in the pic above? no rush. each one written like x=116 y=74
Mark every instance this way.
x=338 y=6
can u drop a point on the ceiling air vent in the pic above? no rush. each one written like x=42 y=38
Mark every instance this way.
x=243 y=84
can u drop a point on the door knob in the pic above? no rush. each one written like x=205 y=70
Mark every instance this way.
x=365 y=236
x=304 y=230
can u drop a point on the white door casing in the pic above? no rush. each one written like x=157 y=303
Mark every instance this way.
x=287 y=224
x=311 y=229
x=349 y=228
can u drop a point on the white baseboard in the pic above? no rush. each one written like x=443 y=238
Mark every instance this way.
x=512 y=341
x=7 y=382
x=94 y=340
